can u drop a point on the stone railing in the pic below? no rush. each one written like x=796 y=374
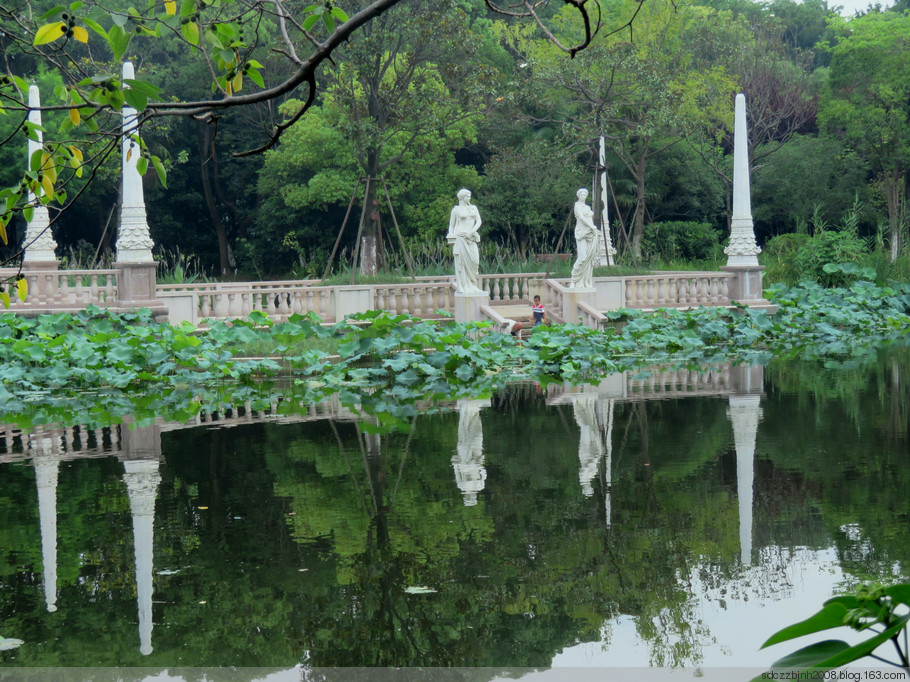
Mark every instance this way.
x=197 y=302
x=677 y=289
x=501 y=322
x=64 y=443
x=591 y=317
x=552 y=297
x=661 y=382
x=65 y=289
x=518 y=287
x=279 y=300
x=672 y=383
x=421 y=300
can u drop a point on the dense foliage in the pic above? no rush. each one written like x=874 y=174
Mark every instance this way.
x=424 y=99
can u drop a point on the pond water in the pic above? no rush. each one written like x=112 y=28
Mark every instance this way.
x=670 y=519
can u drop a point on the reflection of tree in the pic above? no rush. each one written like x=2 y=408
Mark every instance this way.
x=848 y=466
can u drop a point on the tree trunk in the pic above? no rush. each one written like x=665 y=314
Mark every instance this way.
x=206 y=149
x=371 y=238
x=896 y=197
x=638 y=218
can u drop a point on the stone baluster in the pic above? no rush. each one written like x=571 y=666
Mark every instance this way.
x=221 y=304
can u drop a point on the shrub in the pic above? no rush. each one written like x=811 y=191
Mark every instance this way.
x=828 y=247
x=679 y=240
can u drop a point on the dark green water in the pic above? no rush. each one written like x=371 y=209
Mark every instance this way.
x=533 y=528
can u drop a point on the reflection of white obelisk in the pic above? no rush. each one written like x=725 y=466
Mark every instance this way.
x=470 y=473
x=605 y=415
x=142 y=479
x=744 y=413
x=39 y=243
x=134 y=245
x=46 y=468
x=590 y=444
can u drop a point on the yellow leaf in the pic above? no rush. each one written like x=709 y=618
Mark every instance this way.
x=22 y=288
x=49 y=33
x=238 y=81
x=48 y=167
x=75 y=117
x=170 y=6
x=4 y=296
x=129 y=153
x=48 y=185
x=3 y=233
x=77 y=156
x=227 y=88
x=80 y=34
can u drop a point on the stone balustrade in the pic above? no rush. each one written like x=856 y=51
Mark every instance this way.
x=590 y=316
x=423 y=299
x=552 y=297
x=677 y=289
x=672 y=383
x=55 y=290
x=517 y=287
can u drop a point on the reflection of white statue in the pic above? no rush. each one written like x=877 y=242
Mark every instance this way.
x=590 y=445
x=586 y=243
x=470 y=473
x=463 y=226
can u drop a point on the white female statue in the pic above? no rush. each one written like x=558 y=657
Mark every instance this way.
x=463 y=226
x=586 y=243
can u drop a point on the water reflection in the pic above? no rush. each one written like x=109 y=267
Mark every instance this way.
x=468 y=459
x=504 y=532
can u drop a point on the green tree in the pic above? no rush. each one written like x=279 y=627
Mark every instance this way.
x=85 y=42
x=867 y=104
x=642 y=92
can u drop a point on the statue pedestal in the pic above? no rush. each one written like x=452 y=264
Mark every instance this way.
x=570 y=300
x=467 y=306
x=136 y=287
x=746 y=285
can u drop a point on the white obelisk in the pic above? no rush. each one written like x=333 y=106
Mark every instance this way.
x=606 y=252
x=39 y=243
x=742 y=251
x=134 y=245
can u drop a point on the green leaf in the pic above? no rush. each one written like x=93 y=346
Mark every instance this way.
x=142 y=165
x=190 y=31
x=900 y=593
x=812 y=655
x=256 y=77
x=118 y=40
x=135 y=99
x=52 y=11
x=159 y=169
x=309 y=21
x=95 y=26
x=148 y=89
x=49 y=33
x=831 y=616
